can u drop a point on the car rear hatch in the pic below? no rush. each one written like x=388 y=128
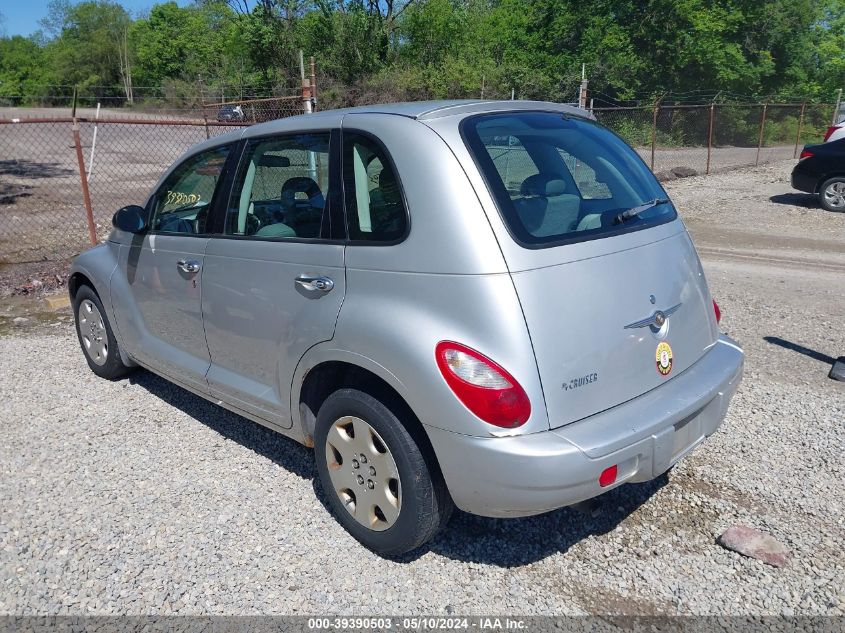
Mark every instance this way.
x=610 y=285
x=595 y=329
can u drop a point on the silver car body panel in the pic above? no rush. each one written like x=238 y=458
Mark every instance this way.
x=531 y=474
x=160 y=319
x=259 y=322
x=242 y=334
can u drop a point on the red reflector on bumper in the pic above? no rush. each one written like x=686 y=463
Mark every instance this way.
x=608 y=476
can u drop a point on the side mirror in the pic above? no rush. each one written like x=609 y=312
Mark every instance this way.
x=132 y=219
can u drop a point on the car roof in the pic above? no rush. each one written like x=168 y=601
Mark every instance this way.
x=424 y=110
x=418 y=110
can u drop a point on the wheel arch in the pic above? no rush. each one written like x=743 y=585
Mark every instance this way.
x=318 y=379
x=94 y=268
x=78 y=279
x=823 y=179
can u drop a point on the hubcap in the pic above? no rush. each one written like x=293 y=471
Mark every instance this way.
x=363 y=473
x=834 y=194
x=93 y=332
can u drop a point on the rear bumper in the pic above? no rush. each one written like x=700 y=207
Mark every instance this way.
x=644 y=437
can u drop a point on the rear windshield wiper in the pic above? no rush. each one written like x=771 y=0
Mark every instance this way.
x=635 y=211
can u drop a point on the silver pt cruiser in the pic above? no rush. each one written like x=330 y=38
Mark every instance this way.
x=488 y=305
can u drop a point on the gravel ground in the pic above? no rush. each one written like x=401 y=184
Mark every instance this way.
x=137 y=497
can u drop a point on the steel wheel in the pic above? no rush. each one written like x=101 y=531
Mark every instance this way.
x=92 y=331
x=834 y=195
x=363 y=473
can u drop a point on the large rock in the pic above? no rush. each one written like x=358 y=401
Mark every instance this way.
x=754 y=543
x=665 y=176
x=684 y=172
x=837 y=372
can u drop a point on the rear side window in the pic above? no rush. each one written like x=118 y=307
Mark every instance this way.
x=559 y=179
x=375 y=211
x=281 y=188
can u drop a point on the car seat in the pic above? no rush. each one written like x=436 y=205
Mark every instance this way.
x=386 y=205
x=546 y=207
x=302 y=215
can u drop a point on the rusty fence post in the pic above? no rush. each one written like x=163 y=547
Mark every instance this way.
x=654 y=128
x=205 y=119
x=800 y=125
x=762 y=129
x=80 y=159
x=710 y=137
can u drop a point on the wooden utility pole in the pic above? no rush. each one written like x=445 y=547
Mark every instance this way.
x=800 y=125
x=306 y=86
x=655 y=110
x=762 y=129
x=582 y=92
x=710 y=131
x=313 y=83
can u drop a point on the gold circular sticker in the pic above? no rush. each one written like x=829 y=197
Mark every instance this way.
x=664 y=358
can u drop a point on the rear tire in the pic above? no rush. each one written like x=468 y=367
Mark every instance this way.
x=376 y=477
x=95 y=335
x=832 y=194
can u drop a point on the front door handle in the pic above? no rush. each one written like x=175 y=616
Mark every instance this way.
x=188 y=265
x=323 y=284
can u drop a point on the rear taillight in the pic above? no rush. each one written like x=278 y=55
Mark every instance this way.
x=805 y=154
x=829 y=132
x=484 y=387
x=717 y=311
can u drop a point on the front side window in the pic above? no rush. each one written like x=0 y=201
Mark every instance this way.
x=281 y=188
x=557 y=178
x=375 y=211
x=183 y=202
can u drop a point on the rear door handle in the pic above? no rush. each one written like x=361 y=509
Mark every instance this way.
x=323 y=283
x=188 y=265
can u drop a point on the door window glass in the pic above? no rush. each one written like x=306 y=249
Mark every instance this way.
x=374 y=207
x=281 y=188
x=183 y=202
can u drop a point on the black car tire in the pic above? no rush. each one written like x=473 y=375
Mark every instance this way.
x=113 y=366
x=839 y=183
x=425 y=502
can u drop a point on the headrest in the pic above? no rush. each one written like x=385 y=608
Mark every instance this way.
x=543 y=185
x=303 y=184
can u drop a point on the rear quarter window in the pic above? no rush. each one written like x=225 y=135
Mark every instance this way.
x=559 y=179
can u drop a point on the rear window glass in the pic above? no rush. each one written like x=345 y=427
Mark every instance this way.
x=557 y=178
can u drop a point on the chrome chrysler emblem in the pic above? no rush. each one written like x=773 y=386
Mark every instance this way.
x=656 y=320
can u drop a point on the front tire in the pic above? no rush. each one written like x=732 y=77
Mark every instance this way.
x=832 y=194
x=95 y=335
x=378 y=482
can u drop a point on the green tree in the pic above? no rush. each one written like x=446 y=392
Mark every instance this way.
x=91 y=48
x=22 y=67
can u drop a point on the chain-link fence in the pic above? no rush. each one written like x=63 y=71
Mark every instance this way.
x=44 y=214
x=716 y=137
x=254 y=110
